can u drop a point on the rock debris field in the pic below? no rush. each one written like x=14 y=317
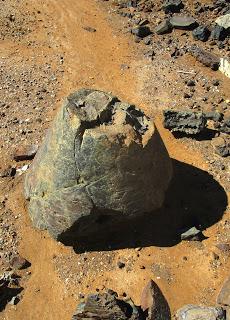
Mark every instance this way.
x=114 y=167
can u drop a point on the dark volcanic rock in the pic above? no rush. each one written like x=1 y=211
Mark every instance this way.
x=206 y=58
x=192 y=312
x=184 y=121
x=172 y=6
x=201 y=33
x=153 y=303
x=106 y=306
x=101 y=160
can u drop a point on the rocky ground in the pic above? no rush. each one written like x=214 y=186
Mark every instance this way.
x=49 y=49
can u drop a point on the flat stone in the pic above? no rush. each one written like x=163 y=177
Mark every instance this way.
x=100 y=158
x=25 y=152
x=183 y=22
x=192 y=312
x=206 y=58
x=224 y=295
x=153 y=303
x=224 y=21
x=164 y=27
x=184 y=121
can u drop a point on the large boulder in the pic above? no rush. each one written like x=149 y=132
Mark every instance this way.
x=101 y=158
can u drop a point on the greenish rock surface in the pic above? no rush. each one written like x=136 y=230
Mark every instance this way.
x=100 y=158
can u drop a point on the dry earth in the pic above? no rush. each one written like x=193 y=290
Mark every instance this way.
x=46 y=53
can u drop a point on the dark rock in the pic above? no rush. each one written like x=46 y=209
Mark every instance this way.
x=120 y=265
x=25 y=152
x=187 y=95
x=89 y=29
x=95 y=165
x=224 y=295
x=225 y=126
x=192 y=312
x=141 y=31
x=164 y=27
x=221 y=146
x=206 y=58
x=218 y=33
x=19 y=263
x=193 y=234
x=191 y=83
x=183 y=22
x=172 y=6
x=8 y=172
x=184 y=121
x=106 y=306
x=201 y=33
x=153 y=303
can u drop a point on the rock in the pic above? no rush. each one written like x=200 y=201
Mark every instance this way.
x=101 y=161
x=184 y=121
x=224 y=21
x=224 y=295
x=25 y=152
x=172 y=6
x=192 y=234
x=191 y=83
x=8 y=172
x=225 y=126
x=213 y=115
x=201 y=33
x=192 y=312
x=89 y=29
x=183 y=22
x=120 y=265
x=225 y=66
x=106 y=306
x=153 y=303
x=218 y=33
x=19 y=263
x=141 y=31
x=221 y=146
x=164 y=27
x=224 y=247
x=206 y=58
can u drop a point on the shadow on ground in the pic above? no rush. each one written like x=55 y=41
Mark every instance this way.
x=194 y=198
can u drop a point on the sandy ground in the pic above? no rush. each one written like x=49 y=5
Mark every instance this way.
x=187 y=272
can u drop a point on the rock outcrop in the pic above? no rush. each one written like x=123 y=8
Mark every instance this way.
x=101 y=158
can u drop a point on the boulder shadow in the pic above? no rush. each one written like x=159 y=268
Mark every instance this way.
x=193 y=198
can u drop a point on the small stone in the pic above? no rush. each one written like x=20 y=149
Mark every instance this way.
x=89 y=29
x=193 y=312
x=224 y=247
x=201 y=33
x=224 y=295
x=9 y=172
x=218 y=33
x=120 y=265
x=141 y=31
x=164 y=27
x=25 y=153
x=224 y=21
x=206 y=58
x=172 y=6
x=192 y=234
x=14 y=300
x=191 y=83
x=19 y=263
x=221 y=146
x=183 y=22
x=187 y=95
x=225 y=67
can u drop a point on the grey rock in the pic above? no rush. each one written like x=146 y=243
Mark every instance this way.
x=224 y=21
x=172 y=6
x=184 y=121
x=183 y=22
x=221 y=146
x=225 y=126
x=201 y=33
x=224 y=295
x=101 y=157
x=213 y=115
x=192 y=312
x=153 y=303
x=164 y=27
x=107 y=306
x=218 y=33
x=206 y=58
x=141 y=31
x=191 y=234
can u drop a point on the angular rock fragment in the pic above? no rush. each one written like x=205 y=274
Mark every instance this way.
x=206 y=58
x=172 y=6
x=224 y=21
x=193 y=234
x=102 y=160
x=25 y=152
x=164 y=27
x=224 y=295
x=218 y=33
x=192 y=312
x=201 y=33
x=184 y=121
x=225 y=67
x=221 y=146
x=153 y=303
x=108 y=307
x=183 y=22
x=141 y=31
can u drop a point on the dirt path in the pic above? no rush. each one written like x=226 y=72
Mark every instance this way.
x=98 y=59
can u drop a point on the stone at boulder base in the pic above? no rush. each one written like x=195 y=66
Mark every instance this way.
x=193 y=312
x=183 y=22
x=184 y=121
x=224 y=295
x=153 y=303
x=201 y=33
x=102 y=161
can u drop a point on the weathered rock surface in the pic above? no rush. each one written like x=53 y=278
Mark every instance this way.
x=224 y=295
x=153 y=303
x=224 y=21
x=221 y=146
x=172 y=6
x=25 y=152
x=100 y=158
x=184 y=121
x=201 y=33
x=192 y=312
x=106 y=306
x=164 y=27
x=183 y=22
x=206 y=58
